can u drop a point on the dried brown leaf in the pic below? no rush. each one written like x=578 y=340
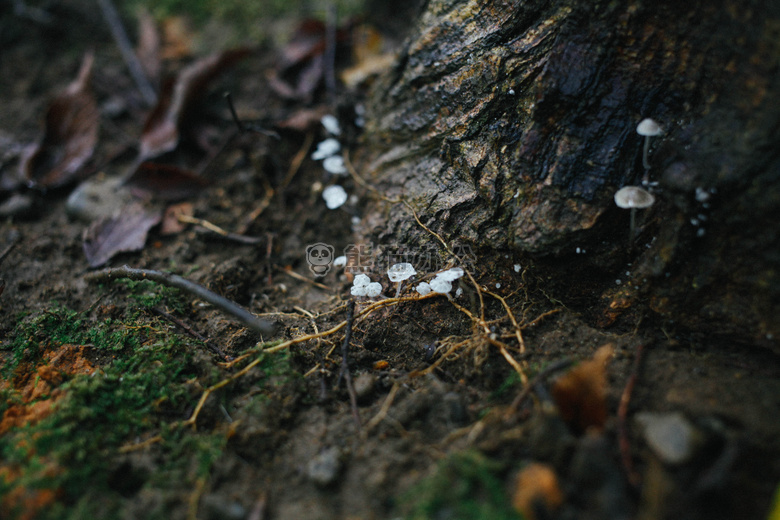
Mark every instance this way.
x=70 y=136
x=536 y=488
x=125 y=232
x=171 y=225
x=165 y=182
x=580 y=393
x=178 y=99
x=148 y=49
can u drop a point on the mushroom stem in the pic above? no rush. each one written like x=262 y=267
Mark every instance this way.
x=398 y=289
x=645 y=152
x=632 y=230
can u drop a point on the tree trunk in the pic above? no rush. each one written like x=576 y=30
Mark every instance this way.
x=511 y=124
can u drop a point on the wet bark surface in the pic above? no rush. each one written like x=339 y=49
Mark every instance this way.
x=512 y=124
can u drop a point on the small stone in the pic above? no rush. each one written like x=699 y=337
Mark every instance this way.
x=324 y=467
x=670 y=435
x=364 y=385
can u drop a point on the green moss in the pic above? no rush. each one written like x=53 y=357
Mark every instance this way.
x=144 y=388
x=465 y=485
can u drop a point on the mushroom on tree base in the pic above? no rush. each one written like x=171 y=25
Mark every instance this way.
x=633 y=198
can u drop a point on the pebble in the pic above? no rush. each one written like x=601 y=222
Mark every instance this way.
x=324 y=467
x=364 y=385
x=670 y=435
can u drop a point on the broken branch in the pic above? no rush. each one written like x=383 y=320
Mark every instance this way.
x=227 y=306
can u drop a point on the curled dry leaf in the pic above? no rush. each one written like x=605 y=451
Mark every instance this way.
x=148 y=48
x=580 y=393
x=164 y=182
x=122 y=233
x=537 y=490
x=178 y=99
x=70 y=136
x=171 y=225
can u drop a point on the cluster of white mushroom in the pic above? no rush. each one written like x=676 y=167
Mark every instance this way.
x=363 y=286
x=441 y=283
x=328 y=152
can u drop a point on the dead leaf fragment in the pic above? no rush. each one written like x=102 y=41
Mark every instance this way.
x=580 y=393
x=70 y=135
x=165 y=182
x=171 y=224
x=122 y=233
x=148 y=48
x=178 y=100
x=536 y=489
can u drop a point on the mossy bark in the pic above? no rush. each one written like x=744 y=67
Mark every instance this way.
x=510 y=124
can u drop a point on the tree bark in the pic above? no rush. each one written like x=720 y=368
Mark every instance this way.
x=511 y=124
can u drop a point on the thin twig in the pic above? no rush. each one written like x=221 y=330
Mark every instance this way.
x=172 y=280
x=345 y=364
x=622 y=414
x=126 y=49
x=244 y=127
x=244 y=239
x=189 y=330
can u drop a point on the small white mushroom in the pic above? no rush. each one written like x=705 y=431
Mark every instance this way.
x=400 y=272
x=441 y=286
x=423 y=288
x=335 y=196
x=633 y=198
x=331 y=124
x=648 y=128
x=450 y=275
x=373 y=289
x=334 y=165
x=325 y=149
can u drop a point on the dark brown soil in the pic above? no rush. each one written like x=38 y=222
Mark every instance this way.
x=270 y=467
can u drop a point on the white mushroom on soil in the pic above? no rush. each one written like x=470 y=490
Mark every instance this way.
x=633 y=198
x=648 y=128
x=400 y=272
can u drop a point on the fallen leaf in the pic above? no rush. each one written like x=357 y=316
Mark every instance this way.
x=178 y=99
x=122 y=233
x=171 y=225
x=536 y=490
x=580 y=393
x=148 y=48
x=301 y=65
x=177 y=37
x=165 y=182
x=70 y=135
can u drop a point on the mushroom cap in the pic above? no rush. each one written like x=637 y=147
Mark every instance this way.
x=400 y=272
x=648 y=128
x=630 y=197
x=373 y=289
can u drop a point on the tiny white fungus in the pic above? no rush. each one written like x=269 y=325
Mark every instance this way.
x=334 y=196
x=458 y=291
x=340 y=261
x=440 y=286
x=358 y=290
x=401 y=272
x=325 y=149
x=450 y=274
x=373 y=289
x=335 y=165
x=331 y=124
x=361 y=280
x=518 y=267
x=498 y=286
x=423 y=288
